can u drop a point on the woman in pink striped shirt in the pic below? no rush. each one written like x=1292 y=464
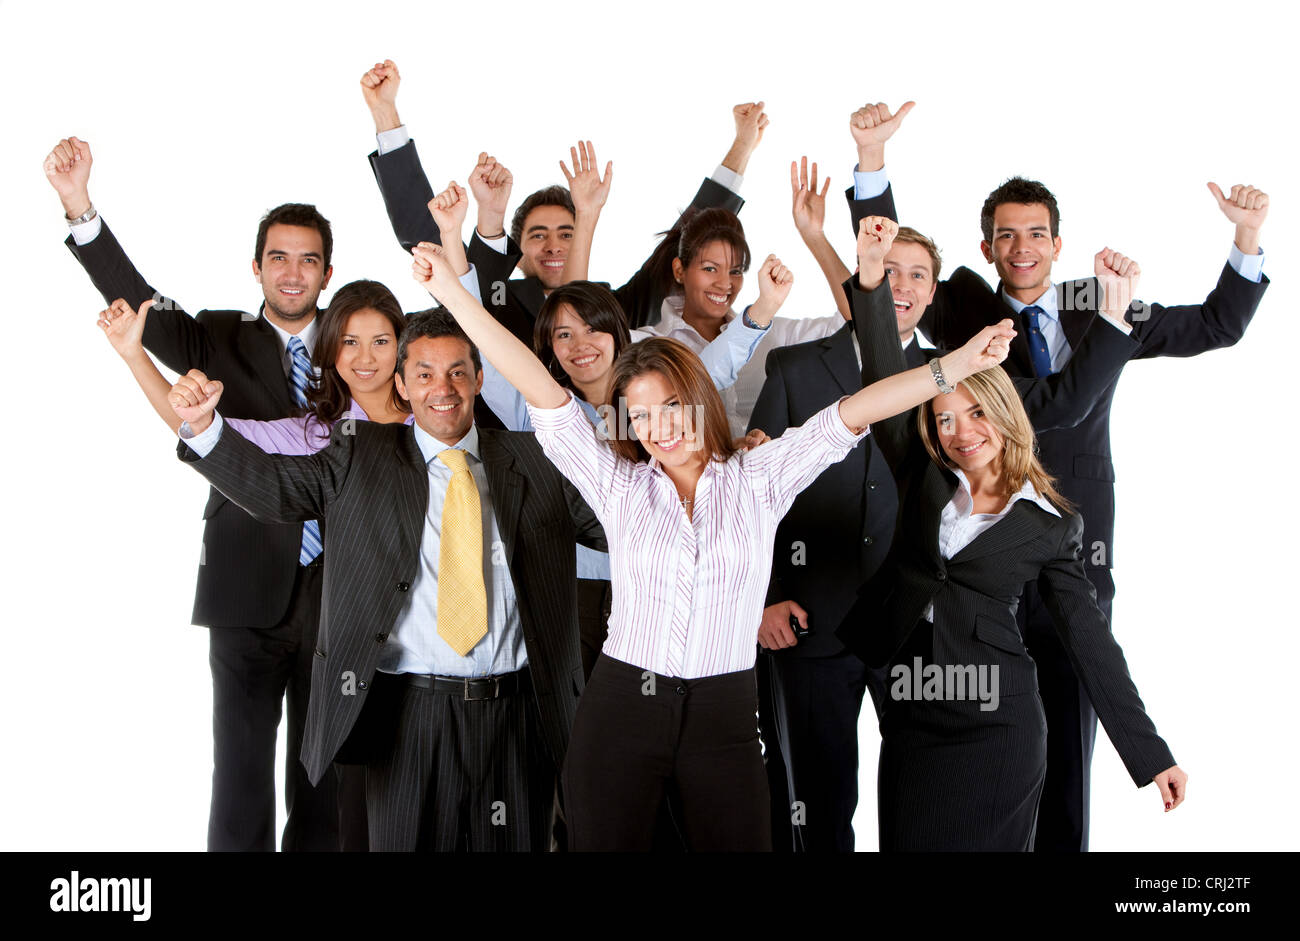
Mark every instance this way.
x=690 y=524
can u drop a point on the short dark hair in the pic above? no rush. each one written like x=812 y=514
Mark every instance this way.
x=595 y=305
x=554 y=195
x=303 y=214
x=431 y=324
x=1019 y=190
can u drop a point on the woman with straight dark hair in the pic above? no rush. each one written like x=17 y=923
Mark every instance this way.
x=963 y=736
x=690 y=523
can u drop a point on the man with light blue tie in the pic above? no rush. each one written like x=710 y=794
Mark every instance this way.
x=258 y=585
x=1020 y=225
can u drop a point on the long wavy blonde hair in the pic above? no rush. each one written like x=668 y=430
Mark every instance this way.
x=995 y=393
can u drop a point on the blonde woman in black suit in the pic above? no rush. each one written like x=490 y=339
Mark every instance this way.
x=963 y=752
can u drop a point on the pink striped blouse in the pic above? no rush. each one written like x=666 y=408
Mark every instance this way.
x=689 y=592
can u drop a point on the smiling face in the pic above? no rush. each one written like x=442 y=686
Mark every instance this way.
x=292 y=272
x=440 y=382
x=911 y=277
x=545 y=239
x=661 y=422
x=367 y=352
x=1022 y=249
x=967 y=436
x=583 y=352
x=710 y=281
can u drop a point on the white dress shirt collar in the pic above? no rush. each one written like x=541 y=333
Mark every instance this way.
x=307 y=334
x=1047 y=302
x=965 y=502
x=431 y=447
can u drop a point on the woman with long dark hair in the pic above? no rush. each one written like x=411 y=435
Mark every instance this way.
x=690 y=523
x=963 y=735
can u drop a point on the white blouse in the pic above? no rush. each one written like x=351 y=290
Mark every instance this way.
x=689 y=591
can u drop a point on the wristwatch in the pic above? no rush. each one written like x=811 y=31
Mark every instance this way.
x=84 y=217
x=937 y=371
x=744 y=318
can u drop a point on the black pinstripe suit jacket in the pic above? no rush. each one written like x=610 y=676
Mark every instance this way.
x=370 y=487
x=976 y=592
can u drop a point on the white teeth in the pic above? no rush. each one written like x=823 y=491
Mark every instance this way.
x=553 y=264
x=442 y=408
x=1023 y=264
x=970 y=449
x=670 y=443
x=902 y=305
x=717 y=298
x=585 y=360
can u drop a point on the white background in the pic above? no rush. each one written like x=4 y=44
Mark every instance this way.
x=202 y=119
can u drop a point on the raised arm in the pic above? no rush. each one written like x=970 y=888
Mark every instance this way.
x=872 y=126
x=809 y=210
x=124 y=328
x=1066 y=398
x=1221 y=320
x=515 y=361
x=589 y=194
x=172 y=335
x=889 y=388
x=273 y=488
x=641 y=297
x=398 y=172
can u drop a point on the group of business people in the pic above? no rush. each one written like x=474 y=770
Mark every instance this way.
x=528 y=565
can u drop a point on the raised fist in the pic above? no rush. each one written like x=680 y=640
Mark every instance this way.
x=193 y=398
x=431 y=269
x=1118 y=275
x=67 y=167
x=490 y=182
x=774 y=281
x=985 y=350
x=875 y=238
x=450 y=207
x=751 y=121
x=379 y=85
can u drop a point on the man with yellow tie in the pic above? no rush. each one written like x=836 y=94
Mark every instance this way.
x=448 y=659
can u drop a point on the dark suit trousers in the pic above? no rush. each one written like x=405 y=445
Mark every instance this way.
x=632 y=741
x=816 y=702
x=1071 y=723
x=253 y=670
x=472 y=776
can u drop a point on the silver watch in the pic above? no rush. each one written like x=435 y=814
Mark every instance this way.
x=939 y=380
x=84 y=217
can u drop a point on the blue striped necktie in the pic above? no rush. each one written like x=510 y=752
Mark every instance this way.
x=299 y=372
x=1037 y=343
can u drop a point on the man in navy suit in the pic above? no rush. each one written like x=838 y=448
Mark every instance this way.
x=1020 y=225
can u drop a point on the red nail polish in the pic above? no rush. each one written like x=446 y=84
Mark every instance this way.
x=1168 y=805
x=878 y=226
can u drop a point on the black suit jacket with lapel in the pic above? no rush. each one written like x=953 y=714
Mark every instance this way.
x=406 y=192
x=837 y=532
x=975 y=593
x=246 y=574
x=1079 y=454
x=370 y=486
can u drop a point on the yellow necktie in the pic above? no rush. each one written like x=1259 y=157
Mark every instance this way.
x=462 y=600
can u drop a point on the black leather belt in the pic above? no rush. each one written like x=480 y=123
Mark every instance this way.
x=469 y=688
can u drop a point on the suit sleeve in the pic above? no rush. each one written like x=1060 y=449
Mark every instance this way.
x=638 y=297
x=406 y=192
x=275 y=488
x=1066 y=398
x=1098 y=660
x=587 y=528
x=882 y=205
x=176 y=338
x=772 y=414
x=1189 y=329
x=876 y=326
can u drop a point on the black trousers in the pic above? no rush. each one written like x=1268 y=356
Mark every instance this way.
x=253 y=671
x=462 y=775
x=1071 y=723
x=638 y=733
x=595 y=597
x=816 y=702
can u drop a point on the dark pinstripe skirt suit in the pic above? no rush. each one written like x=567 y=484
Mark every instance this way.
x=953 y=776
